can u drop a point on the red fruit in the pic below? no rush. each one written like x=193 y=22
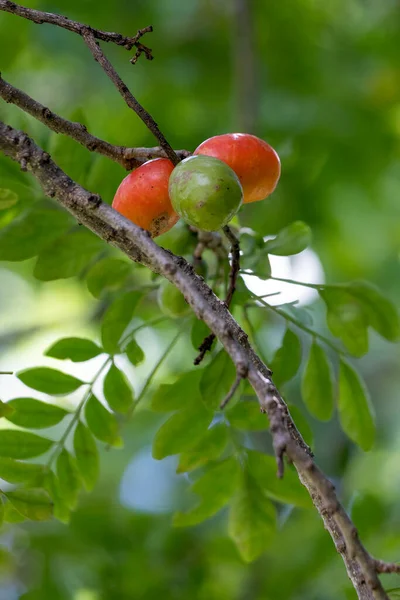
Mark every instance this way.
x=143 y=198
x=254 y=161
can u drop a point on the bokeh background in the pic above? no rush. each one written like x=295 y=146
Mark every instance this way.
x=320 y=81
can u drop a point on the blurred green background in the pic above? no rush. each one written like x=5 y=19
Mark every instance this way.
x=320 y=81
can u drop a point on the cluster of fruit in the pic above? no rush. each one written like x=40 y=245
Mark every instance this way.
x=206 y=190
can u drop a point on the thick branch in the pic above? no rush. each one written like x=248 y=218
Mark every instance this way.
x=90 y=35
x=129 y=158
x=136 y=243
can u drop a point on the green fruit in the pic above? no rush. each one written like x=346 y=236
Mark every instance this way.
x=171 y=301
x=205 y=192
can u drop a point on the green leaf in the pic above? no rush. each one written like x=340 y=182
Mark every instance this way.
x=68 y=255
x=355 y=409
x=8 y=198
x=134 y=353
x=300 y=314
x=11 y=515
x=287 y=359
x=215 y=488
x=262 y=267
x=346 y=319
x=209 y=447
x=49 y=381
x=107 y=274
x=317 y=384
x=15 y=471
x=34 y=504
x=69 y=478
x=173 y=396
x=291 y=240
x=287 y=490
x=217 y=380
x=22 y=444
x=246 y=415
x=382 y=315
x=35 y=414
x=254 y=258
x=5 y=409
x=102 y=423
x=117 y=392
x=1 y=506
x=28 y=234
x=75 y=349
x=198 y=333
x=182 y=430
x=252 y=520
x=87 y=456
x=116 y=320
x=52 y=486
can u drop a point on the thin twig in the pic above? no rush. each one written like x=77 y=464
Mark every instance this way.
x=231 y=392
x=141 y=49
x=129 y=158
x=207 y=343
x=132 y=333
x=6 y=372
x=204 y=347
x=298 y=324
x=154 y=371
x=386 y=567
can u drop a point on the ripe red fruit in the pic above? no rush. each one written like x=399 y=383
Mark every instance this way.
x=143 y=198
x=254 y=161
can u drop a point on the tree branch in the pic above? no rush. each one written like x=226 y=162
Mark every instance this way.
x=385 y=567
x=90 y=35
x=129 y=158
x=136 y=243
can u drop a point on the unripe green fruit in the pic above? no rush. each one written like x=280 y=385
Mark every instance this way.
x=205 y=192
x=171 y=301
